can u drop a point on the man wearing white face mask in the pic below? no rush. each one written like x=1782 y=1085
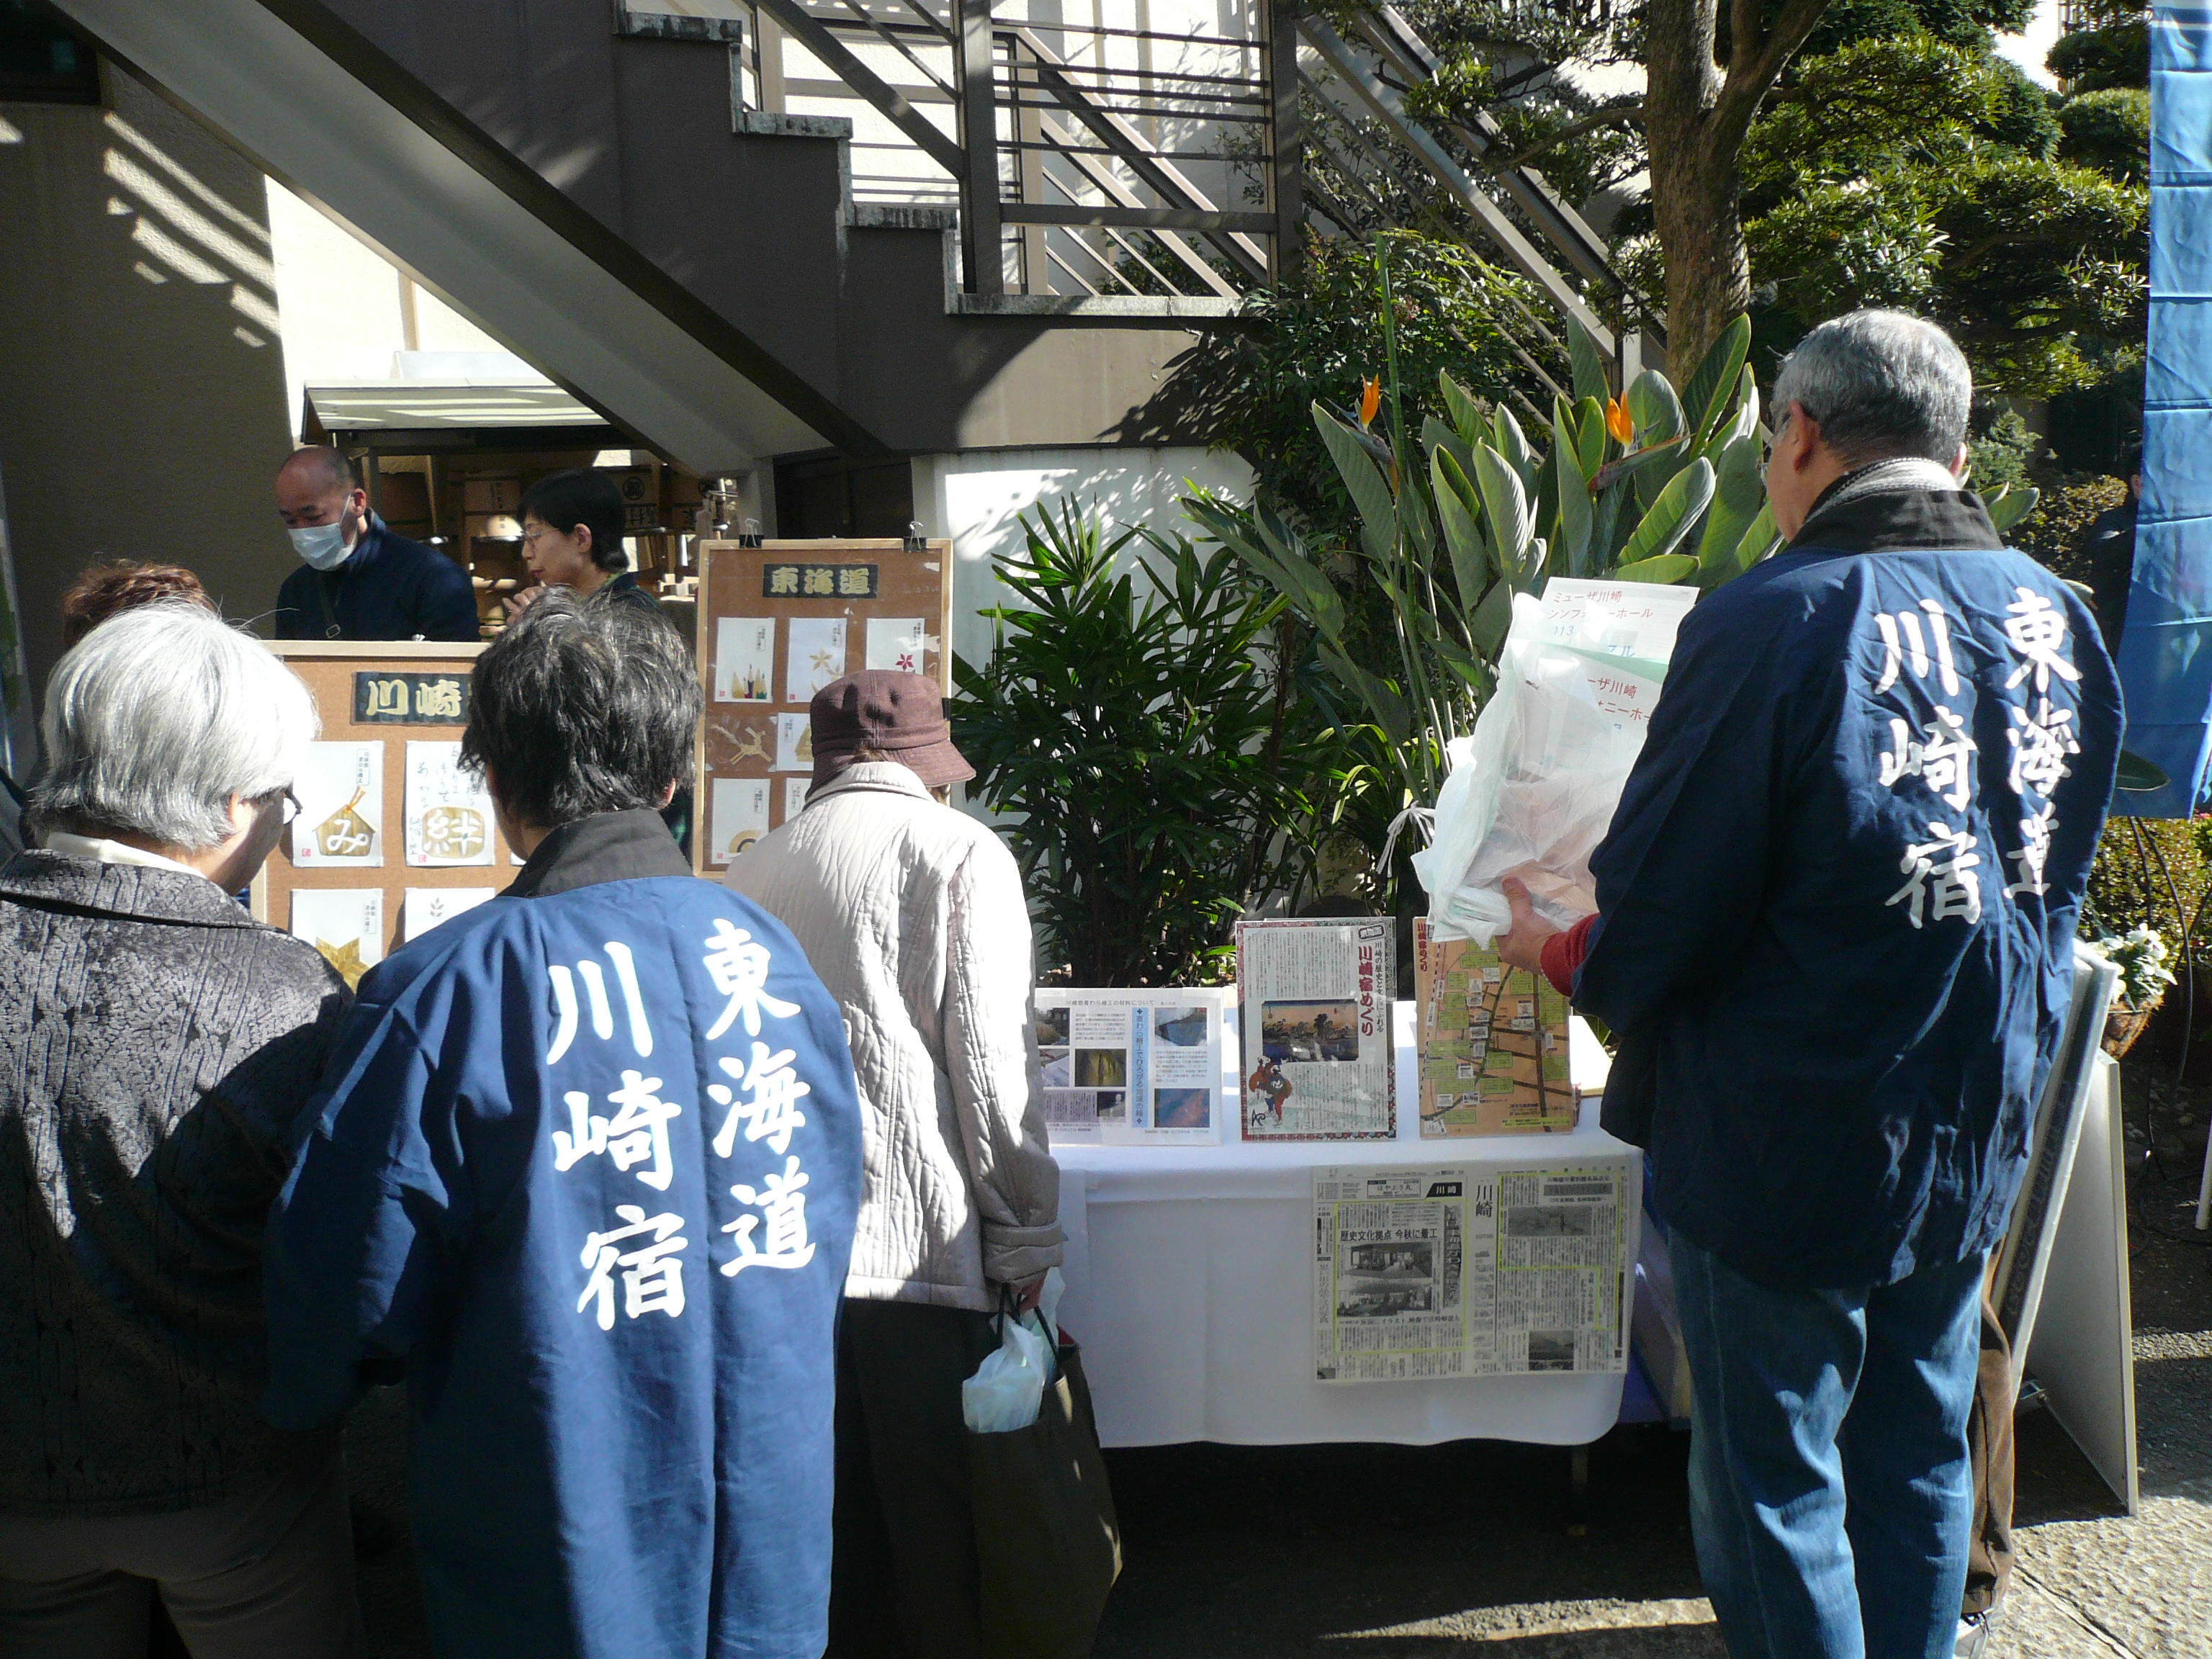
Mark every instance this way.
x=359 y=582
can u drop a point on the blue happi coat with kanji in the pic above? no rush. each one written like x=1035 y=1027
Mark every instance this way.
x=583 y=1175
x=1837 y=900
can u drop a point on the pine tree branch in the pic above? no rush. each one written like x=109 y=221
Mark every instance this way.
x=1756 y=58
x=1632 y=111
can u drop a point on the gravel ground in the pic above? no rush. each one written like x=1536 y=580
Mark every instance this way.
x=1405 y=1553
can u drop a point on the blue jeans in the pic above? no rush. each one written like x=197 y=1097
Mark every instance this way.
x=1831 y=1495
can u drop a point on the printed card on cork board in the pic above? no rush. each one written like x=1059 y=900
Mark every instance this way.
x=777 y=623
x=393 y=837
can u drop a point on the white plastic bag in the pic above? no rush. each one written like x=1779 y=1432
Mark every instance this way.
x=1532 y=792
x=1008 y=1386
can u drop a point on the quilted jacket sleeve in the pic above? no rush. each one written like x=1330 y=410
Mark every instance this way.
x=990 y=1054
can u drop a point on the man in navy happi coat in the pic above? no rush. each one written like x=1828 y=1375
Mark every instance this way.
x=584 y=1174
x=1835 y=940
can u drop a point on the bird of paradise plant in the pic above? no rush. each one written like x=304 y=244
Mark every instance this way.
x=1646 y=484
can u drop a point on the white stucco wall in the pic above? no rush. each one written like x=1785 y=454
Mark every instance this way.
x=343 y=307
x=977 y=498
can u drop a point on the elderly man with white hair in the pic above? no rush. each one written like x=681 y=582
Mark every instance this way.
x=156 y=1045
x=1834 y=939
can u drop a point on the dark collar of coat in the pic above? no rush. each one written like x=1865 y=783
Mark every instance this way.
x=1910 y=518
x=605 y=846
x=85 y=887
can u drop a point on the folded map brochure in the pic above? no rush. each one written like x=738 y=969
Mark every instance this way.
x=1492 y=1042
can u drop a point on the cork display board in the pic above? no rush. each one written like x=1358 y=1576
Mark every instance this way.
x=392 y=839
x=776 y=623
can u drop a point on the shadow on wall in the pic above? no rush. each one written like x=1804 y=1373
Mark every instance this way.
x=142 y=386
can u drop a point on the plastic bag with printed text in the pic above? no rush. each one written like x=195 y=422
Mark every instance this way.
x=1531 y=791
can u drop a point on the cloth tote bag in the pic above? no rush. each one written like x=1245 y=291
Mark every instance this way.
x=1046 y=1536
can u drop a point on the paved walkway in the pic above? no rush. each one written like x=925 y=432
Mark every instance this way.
x=1401 y=1553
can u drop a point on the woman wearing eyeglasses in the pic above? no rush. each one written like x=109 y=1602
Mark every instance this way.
x=156 y=1046
x=572 y=538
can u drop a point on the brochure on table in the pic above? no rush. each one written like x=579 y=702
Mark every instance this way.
x=1141 y=1067
x=1319 y=1059
x=1494 y=1053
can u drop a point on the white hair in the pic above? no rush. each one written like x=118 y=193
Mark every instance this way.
x=1880 y=384
x=159 y=717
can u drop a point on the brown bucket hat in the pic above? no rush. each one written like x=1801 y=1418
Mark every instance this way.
x=901 y=715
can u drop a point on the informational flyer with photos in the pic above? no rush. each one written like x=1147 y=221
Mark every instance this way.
x=1318 y=1061
x=1135 y=1067
x=1473 y=1272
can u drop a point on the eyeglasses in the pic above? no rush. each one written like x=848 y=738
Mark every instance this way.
x=291 y=805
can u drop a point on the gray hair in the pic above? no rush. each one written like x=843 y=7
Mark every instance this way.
x=159 y=717
x=1880 y=384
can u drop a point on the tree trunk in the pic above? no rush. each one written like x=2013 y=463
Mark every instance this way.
x=1700 y=226
x=1695 y=119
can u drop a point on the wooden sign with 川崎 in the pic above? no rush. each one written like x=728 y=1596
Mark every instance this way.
x=392 y=837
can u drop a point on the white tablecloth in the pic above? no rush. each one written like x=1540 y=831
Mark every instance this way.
x=1189 y=1285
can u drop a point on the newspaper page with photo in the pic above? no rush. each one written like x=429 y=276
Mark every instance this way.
x=1133 y=1067
x=1471 y=1272
x=1319 y=1058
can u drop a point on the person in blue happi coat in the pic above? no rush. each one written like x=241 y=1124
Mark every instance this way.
x=1834 y=938
x=583 y=1172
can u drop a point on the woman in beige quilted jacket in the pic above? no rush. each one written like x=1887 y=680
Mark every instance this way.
x=912 y=915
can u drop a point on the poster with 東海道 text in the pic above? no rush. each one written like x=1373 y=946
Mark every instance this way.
x=1314 y=1005
x=1135 y=1067
x=1481 y=1270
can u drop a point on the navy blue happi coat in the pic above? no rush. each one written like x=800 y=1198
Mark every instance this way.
x=1838 y=897
x=584 y=1173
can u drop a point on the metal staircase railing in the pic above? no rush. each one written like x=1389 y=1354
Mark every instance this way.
x=1094 y=160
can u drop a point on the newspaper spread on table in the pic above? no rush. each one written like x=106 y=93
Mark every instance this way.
x=1320 y=1059
x=1471 y=1271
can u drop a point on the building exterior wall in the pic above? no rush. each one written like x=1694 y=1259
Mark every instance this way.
x=977 y=498
x=142 y=387
x=346 y=309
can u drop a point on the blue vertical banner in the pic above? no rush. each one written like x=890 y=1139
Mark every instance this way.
x=2166 y=655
